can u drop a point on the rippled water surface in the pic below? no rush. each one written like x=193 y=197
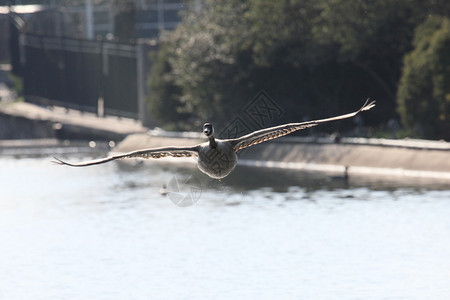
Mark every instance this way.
x=106 y=232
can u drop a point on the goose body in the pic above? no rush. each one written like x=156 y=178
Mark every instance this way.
x=217 y=162
x=217 y=158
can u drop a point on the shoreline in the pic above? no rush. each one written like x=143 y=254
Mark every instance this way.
x=362 y=157
x=385 y=163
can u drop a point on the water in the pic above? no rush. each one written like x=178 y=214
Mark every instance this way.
x=106 y=232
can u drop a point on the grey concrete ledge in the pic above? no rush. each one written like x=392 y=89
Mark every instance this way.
x=403 y=143
x=410 y=158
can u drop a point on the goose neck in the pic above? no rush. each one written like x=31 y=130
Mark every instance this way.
x=212 y=142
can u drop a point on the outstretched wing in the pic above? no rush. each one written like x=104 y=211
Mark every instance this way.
x=145 y=153
x=271 y=133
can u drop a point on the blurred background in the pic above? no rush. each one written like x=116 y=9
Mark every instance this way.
x=175 y=64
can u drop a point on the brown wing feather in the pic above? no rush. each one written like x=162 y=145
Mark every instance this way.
x=145 y=153
x=282 y=130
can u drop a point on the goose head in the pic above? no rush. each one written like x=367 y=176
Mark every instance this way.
x=208 y=129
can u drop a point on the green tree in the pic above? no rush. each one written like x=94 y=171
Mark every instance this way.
x=164 y=97
x=205 y=62
x=314 y=57
x=424 y=90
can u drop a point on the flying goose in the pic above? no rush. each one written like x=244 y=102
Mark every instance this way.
x=217 y=158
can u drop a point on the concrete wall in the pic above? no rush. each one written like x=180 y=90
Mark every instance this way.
x=360 y=158
x=16 y=127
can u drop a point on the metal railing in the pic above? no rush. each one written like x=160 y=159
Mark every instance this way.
x=80 y=74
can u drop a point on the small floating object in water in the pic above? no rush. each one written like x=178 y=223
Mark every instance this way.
x=163 y=191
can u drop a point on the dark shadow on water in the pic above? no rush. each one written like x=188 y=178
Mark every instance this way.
x=281 y=179
x=245 y=178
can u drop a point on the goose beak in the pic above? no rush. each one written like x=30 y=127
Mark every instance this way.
x=208 y=129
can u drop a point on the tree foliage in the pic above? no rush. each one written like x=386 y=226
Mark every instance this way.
x=424 y=90
x=314 y=57
x=165 y=94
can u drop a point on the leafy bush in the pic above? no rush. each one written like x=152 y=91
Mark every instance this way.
x=424 y=90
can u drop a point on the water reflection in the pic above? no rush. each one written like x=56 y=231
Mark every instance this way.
x=106 y=232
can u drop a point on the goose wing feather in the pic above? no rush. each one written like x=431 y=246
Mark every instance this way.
x=144 y=153
x=271 y=133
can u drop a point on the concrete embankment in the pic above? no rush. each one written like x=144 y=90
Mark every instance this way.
x=379 y=157
x=401 y=158
x=21 y=120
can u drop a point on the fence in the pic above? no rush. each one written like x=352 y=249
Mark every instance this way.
x=89 y=75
